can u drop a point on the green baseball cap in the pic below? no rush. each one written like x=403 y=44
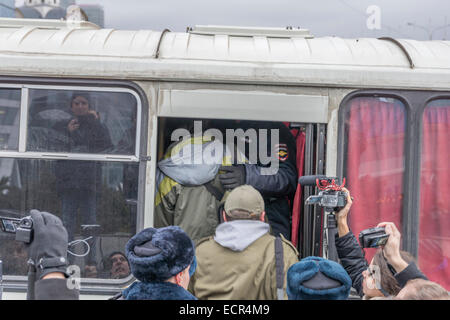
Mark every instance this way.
x=244 y=198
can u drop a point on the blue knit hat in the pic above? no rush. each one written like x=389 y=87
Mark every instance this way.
x=158 y=254
x=316 y=278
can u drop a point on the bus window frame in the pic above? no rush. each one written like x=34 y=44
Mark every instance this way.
x=415 y=102
x=89 y=285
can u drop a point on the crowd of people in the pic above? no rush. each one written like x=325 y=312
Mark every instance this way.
x=236 y=264
x=221 y=231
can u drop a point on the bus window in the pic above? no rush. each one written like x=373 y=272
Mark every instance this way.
x=9 y=119
x=83 y=194
x=77 y=121
x=434 y=234
x=94 y=194
x=374 y=161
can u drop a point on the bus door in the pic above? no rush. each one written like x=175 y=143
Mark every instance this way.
x=305 y=115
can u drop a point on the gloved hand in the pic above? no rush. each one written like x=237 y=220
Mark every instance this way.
x=232 y=176
x=48 y=250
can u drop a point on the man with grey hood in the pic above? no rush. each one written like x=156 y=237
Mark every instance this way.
x=242 y=261
x=189 y=191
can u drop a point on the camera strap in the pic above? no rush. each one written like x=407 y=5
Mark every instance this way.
x=52 y=262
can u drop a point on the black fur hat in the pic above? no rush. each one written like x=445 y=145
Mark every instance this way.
x=158 y=254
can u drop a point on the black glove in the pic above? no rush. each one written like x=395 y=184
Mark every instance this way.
x=232 y=176
x=48 y=250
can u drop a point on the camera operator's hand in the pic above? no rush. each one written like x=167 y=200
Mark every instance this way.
x=391 y=249
x=341 y=216
x=232 y=176
x=48 y=250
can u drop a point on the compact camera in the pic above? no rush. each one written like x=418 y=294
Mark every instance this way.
x=373 y=237
x=22 y=228
x=330 y=196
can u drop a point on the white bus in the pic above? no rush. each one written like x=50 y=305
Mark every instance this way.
x=375 y=111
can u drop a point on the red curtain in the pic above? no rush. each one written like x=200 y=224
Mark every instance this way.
x=298 y=203
x=375 y=162
x=434 y=235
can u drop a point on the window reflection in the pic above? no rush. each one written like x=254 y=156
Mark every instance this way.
x=82 y=122
x=9 y=118
x=107 y=213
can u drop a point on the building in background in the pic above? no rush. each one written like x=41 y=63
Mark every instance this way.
x=94 y=13
x=7 y=9
x=57 y=9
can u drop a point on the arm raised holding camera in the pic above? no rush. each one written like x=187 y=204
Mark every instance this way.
x=391 y=252
x=348 y=249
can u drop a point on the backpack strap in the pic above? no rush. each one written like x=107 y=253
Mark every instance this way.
x=279 y=265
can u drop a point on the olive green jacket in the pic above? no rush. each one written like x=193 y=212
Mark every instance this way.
x=182 y=198
x=224 y=273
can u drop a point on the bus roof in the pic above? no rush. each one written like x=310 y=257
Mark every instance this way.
x=48 y=48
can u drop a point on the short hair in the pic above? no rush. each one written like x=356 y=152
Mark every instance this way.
x=420 y=289
x=238 y=214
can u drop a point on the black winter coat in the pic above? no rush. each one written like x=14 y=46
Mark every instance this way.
x=352 y=259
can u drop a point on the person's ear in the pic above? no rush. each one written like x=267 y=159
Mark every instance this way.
x=179 y=277
x=262 y=216
x=224 y=216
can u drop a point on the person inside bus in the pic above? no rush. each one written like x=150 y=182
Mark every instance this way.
x=189 y=192
x=163 y=260
x=278 y=188
x=116 y=266
x=390 y=268
x=78 y=181
x=243 y=261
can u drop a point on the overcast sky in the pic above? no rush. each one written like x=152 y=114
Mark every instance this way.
x=342 y=18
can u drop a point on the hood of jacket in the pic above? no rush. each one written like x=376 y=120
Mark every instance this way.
x=193 y=161
x=237 y=235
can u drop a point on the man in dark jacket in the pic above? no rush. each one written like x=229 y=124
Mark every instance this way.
x=352 y=256
x=278 y=187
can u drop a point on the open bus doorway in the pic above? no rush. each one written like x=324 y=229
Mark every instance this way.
x=306 y=153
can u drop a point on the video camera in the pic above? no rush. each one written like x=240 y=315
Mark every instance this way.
x=330 y=197
x=373 y=237
x=22 y=228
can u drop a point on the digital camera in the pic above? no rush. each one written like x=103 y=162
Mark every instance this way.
x=373 y=237
x=22 y=228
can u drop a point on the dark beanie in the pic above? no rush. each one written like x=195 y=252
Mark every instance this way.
x=158 y=254
x=316 y=278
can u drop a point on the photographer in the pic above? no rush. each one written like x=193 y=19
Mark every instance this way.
x=389 y=269
x=47 y=259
